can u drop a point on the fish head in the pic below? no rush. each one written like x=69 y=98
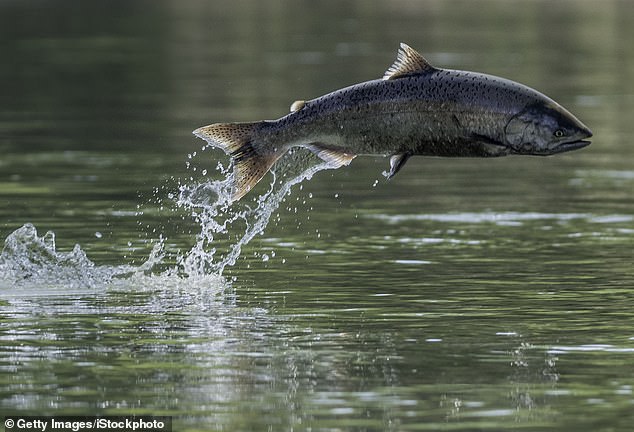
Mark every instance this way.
x=545 y=128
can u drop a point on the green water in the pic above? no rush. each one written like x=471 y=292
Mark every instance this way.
x=463 y=294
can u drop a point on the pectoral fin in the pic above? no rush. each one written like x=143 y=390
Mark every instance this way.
x=491 y=146
x=396 y=163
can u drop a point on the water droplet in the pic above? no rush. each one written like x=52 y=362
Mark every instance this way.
x=98 y=234
x=208 y=203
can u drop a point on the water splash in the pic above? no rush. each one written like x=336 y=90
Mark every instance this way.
x=211 y=207
x=27 y=256
x=30 y=259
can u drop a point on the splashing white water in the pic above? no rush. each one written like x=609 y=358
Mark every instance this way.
x=211 y=207
x=28 y=258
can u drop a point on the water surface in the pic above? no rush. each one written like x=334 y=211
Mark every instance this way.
x=461 y=295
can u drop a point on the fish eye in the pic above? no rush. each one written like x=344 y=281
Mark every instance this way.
x=559 y=133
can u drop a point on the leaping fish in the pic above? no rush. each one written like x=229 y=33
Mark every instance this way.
x=415 y=109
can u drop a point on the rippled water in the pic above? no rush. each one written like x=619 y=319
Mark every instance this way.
x=460 y=295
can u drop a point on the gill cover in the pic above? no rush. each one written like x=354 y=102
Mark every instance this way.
x=517 y=131
x=544 y=128
x=532 y=130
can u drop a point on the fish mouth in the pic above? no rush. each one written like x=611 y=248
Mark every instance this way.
x=576 y=144
x=555 y=149
x=570 y=146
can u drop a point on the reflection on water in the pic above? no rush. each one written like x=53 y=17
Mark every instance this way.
x=149 y=331
x=503 y=218
x=462 y=294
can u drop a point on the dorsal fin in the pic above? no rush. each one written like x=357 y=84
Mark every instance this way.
x=408 y=62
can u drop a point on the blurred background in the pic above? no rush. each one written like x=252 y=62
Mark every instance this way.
x=92 y=89
x=464 y=294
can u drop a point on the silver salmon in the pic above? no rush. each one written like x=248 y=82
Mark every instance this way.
x=415 y=109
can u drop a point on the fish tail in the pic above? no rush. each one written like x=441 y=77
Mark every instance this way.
x=251 y=160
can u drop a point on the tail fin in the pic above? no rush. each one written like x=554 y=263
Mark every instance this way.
x=250 y=162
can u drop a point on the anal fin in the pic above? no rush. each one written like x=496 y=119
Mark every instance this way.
x=333 y=156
